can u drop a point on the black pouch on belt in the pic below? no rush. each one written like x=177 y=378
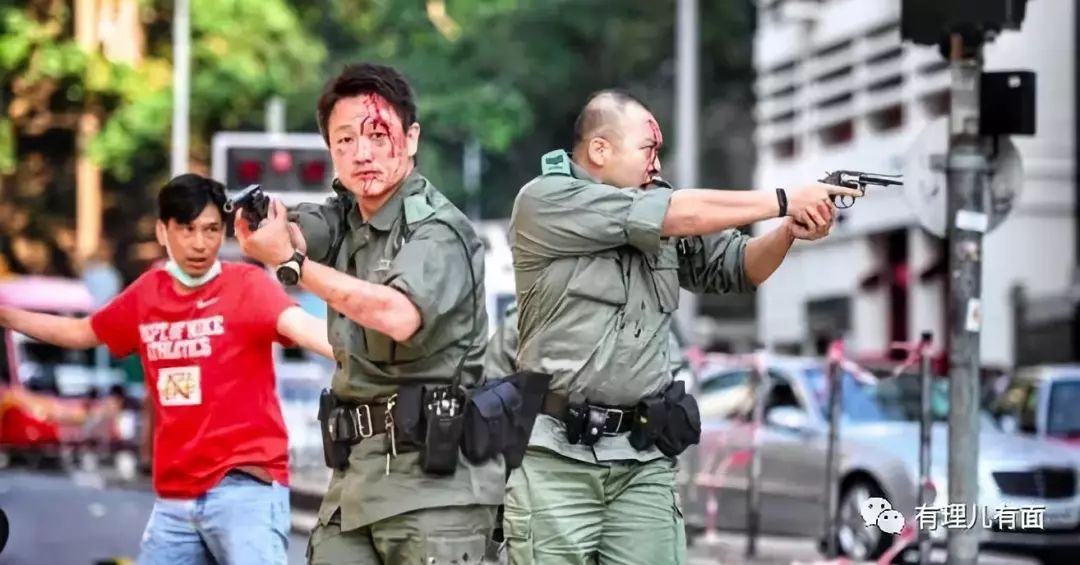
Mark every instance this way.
x=335 y=453
x=650 y=419
x=409 y=415
x=488 y=425
x=444 y=415
x=683 y=427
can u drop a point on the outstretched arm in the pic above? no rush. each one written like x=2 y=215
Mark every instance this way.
x=305 y=330
x=72 y=333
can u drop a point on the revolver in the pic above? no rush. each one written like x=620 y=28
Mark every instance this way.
x=255 y=203
x=859 y=181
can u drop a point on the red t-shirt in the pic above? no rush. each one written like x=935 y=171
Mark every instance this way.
x=208 y=361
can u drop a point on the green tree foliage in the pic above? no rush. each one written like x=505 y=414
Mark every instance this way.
x=511 y=74
x=514 y=73
x=243 y=52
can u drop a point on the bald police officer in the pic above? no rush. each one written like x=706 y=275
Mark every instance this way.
x=402 y=272
x=601 y=247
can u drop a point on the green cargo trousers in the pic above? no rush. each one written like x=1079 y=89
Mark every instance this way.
x=436 y=536
x=561 y=511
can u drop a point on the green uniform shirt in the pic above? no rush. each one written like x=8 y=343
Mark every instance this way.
x=501 y=357
x=597 y=285
x=407 y=245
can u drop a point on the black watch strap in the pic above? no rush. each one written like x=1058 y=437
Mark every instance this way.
x=781 y=198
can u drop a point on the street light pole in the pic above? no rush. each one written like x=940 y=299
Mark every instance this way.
x=968 y=175
x=181 y=86
x=687 y=104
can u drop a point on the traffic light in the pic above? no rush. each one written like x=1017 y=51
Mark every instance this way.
x=928 y=22
x=294 y=167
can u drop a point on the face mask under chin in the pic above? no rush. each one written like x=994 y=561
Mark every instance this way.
x=182 y=277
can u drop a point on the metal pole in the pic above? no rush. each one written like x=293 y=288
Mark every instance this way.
x=275 y=115
x=753 y=492
x=967 y=178
x=470 y=166
x=832 y=457
x=926 y=422
x=181 y=86
x=687 y=137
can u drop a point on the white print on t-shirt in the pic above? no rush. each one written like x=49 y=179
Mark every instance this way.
x=188 y=339
x=180 y=386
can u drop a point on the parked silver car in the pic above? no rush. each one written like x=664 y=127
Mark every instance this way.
x=879 y=458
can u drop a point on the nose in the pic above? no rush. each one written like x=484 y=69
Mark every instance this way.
x=656 y=165
x=199 y=242
x=363 y=151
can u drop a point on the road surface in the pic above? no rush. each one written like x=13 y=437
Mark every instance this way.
x=76 y=520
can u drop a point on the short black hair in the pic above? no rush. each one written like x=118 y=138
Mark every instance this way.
x=367 y=78
x=601 y=110
x=185 y=197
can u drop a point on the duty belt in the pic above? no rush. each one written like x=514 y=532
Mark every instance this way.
x=619 y=418
x=353 y=423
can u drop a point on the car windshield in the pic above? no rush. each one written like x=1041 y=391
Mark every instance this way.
x=1064 y=418
x=890 y=400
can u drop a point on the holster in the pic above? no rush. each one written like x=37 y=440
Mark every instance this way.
x=683 y=426
x=335 y=453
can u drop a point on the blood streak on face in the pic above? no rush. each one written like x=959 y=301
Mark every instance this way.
x=369 y=144
x=651 y=169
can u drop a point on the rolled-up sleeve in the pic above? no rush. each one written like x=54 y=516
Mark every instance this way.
x=431 y=269
x=714 y=264
x=320 y=224
x=557 y=218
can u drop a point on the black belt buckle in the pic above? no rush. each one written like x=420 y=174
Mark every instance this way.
x=610 y=430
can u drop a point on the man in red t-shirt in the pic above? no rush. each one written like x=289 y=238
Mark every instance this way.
x=205 y=332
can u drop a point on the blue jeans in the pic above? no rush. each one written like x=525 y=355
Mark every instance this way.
x=239 y=521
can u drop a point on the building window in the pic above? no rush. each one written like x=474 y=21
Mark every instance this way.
x=842 y=132
x=785 y=148
x=896 y=244
x=887 y=119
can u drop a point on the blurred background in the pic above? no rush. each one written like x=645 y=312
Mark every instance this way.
x=103 y=100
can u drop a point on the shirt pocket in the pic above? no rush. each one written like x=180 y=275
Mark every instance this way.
x=664 y=267
x=598 y=278
x=379 y=347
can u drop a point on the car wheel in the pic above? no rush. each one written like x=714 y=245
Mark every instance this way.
x=854 y=538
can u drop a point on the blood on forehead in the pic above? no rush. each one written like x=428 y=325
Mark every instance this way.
x=655 y=129
x=378 y=115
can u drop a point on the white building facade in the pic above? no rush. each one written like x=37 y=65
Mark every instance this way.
x=837 y=89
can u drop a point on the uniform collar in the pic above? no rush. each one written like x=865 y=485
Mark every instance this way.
x=560 y=158
x=391 y=210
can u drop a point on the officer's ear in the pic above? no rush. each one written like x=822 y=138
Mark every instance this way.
x=412 y=139
x=599 y=151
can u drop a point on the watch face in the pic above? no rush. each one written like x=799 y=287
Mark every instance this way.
x=287 y=276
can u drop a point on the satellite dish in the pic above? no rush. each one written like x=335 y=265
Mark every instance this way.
x=925 y=185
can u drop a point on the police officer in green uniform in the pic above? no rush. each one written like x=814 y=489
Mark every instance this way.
x=402 y=272
x=601 y=248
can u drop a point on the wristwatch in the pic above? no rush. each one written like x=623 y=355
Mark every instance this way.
x=288 y=273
